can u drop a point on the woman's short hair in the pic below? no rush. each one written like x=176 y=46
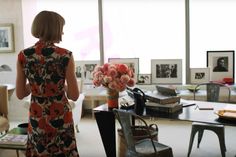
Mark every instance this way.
x=48 y=26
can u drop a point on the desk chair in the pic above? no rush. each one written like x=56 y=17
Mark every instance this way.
x=147 y=147
x=212 y=93
x=4 y=123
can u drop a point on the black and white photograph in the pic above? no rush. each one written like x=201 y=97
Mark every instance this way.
x=166 y=71
x=84 y=69
x=144 y=79
x=132 y=63
x=199 y=75
x=221 y=64
x=6 y=38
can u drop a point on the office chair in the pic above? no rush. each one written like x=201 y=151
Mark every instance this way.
x=147 y=147
x=212 y=93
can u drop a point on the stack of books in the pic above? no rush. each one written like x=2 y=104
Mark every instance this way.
x=161 y=103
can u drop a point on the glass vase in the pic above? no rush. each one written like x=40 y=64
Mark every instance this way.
x=112 y=98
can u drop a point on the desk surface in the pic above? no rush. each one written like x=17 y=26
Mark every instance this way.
x=99 y=94
x=190 y=113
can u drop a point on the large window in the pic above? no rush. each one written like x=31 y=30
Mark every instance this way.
x=144 y=29
x=81 y=29
x=212 y=27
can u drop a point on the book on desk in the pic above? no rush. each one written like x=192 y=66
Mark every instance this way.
x=162 y=99
x=167 y=108
x=13 y=139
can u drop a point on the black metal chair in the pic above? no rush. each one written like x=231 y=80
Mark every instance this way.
x=213 y=94
x=147 y=147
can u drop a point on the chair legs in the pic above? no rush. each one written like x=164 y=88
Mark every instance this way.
x=217 y=129
x=193 y=132
x=200 y=134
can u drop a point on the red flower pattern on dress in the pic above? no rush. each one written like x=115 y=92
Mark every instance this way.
x=61 y=51
x=35 y=110
x=68 y=117
x=56 y=110
x=51 y=89
x=42 y=123
x=34 y=88
x=51 y=131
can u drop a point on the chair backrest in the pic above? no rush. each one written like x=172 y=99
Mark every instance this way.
x=125 y=119
x=213 y=91
x=3 y=101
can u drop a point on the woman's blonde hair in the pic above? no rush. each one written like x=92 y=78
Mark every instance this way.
x=48 y=26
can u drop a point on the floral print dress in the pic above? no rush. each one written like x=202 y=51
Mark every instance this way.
x=51 y=128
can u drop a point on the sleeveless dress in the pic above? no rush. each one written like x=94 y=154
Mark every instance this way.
x=51 y=128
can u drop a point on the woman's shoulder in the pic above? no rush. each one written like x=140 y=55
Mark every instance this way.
x=62 y=51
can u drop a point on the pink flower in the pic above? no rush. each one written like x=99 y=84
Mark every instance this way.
x=124 y=78
x=114 y=76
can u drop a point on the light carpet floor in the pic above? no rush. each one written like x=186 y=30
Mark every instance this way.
x=173 y=133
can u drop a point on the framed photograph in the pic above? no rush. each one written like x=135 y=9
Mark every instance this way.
x=144 y=79
x=84 y=69
x=133 y=63
x=200 y=75
x=166 y=71
x=6 y=38
x=221 y=64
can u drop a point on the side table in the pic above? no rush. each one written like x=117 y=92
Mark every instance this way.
x=12 y=146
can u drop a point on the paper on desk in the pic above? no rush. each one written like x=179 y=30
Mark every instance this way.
x=204 y=106
x=230 y=108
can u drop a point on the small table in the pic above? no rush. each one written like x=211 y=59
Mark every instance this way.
x=12 y=146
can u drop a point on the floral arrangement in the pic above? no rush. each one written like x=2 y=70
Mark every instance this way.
x=113 y=76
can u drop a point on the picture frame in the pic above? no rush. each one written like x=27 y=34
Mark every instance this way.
x=199 y=75
x=166 y=71
x=6 y=38
x=221 y=64
x=84 y=69
x=144 y=79
x=131 y=62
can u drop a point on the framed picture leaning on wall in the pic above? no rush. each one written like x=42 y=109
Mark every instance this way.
x=144 y=79
x=132 y=63
x=6 y=38
x=221 y=64
x=200 y=75
x=166 y=71
x=84 y=69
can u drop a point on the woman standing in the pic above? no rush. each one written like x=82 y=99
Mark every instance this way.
x=47 y=68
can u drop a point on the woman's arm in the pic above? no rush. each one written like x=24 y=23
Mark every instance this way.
x=22 y=89
x=72 y=89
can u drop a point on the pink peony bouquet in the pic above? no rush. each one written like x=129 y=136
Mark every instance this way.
x=113 y=76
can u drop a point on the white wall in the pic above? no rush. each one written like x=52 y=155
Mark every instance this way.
x=11 y=12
